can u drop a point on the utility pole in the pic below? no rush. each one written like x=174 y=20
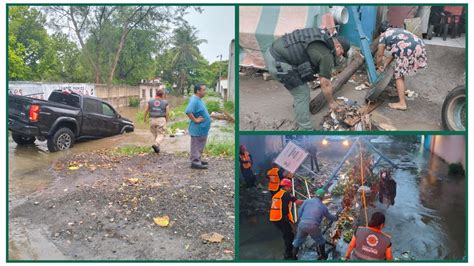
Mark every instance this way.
x=220 y=73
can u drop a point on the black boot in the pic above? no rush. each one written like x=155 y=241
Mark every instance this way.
x=322 y=252
x=294 y=253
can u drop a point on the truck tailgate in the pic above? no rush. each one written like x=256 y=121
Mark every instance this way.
x=18 y=108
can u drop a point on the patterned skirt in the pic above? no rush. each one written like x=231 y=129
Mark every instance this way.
x=408 y=64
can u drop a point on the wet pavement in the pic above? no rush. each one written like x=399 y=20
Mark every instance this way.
x=427 y=220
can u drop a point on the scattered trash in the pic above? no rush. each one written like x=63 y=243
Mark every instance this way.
x=411 y=94
x=361 y=87
x=222 y=116
x=266 y=76
x=212 y=237
x=162 y=221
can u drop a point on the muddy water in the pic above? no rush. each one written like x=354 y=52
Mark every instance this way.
x=29 y=165
x=428 y=218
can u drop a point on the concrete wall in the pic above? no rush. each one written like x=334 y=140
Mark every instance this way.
x=117 y=95
x=451 y=148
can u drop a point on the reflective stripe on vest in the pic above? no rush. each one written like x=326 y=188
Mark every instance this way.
x=246 y=157
x=276 y=210
x=157 y=107
x=273 y=179
x=371 y=244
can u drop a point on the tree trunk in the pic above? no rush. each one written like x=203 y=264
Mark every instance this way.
x=117 y=56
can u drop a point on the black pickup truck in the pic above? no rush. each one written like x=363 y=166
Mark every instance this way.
x=62 y=119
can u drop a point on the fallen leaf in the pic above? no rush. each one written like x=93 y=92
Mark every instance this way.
x=162 y=221
x=73 y=166
x=213 y=237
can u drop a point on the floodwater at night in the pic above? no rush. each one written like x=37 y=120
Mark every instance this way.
x=428 y=219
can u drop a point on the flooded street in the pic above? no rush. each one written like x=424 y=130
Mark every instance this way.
x=29 y=165
x=427 y=220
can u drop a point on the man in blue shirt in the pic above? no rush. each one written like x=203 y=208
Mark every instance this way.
x=198 y=126
x=310 y=215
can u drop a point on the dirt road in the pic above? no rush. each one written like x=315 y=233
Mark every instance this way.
x=267 y=105
x=104 y=210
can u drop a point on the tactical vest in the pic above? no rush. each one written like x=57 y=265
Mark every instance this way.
x=273 y=179
x=297 y=42
x=157 y=107
x=246 y=157
x=371 y=244
x=276 y=209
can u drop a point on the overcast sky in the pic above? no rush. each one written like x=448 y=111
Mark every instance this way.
x=216 y=25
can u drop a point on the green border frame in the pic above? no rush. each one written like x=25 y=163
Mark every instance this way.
x=246 y=133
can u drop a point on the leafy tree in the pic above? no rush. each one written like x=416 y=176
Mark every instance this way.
x=90 y=25
x=28 y=43
x=185 y=54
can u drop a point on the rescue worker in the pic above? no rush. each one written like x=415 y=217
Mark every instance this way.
x=281 y=214
x=157 y=110
x=274 y=176
x=246 y=162
x=296 y=57
x=310 y=215
x=370 y=243
x=409 y=53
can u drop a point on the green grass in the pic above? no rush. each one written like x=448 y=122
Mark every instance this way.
x=229 y=107
x=213 y=94
x=180 y=124
x=213 y=106
x=133 y=101
x=140 y=117
x=131 y=150
x=222 y=149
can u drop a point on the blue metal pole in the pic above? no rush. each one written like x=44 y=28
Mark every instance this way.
x=379 y=153
x=365 y=47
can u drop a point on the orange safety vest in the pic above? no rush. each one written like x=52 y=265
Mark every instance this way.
x=276 y=210
x=246 y=157
x=273 y=179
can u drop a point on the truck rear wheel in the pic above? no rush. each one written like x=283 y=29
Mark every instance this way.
x=23 y=140
x=62 y=139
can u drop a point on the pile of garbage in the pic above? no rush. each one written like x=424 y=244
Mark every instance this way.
x=340 y=121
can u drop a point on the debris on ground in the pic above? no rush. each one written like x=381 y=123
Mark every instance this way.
x=411 y=94
x=110 y=213
x=361 y=87
x=212 y=237
x=223 y=116
x=266 y=76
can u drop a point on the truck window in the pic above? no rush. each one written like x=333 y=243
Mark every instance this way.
x=107 y=110
x=91 y=106
x=65 y=98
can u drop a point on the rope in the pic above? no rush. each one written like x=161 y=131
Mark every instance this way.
x=362 y=183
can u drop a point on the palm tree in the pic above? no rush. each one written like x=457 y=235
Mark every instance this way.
x=185 y=52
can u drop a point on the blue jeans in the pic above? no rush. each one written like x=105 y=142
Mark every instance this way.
x=305 y=229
